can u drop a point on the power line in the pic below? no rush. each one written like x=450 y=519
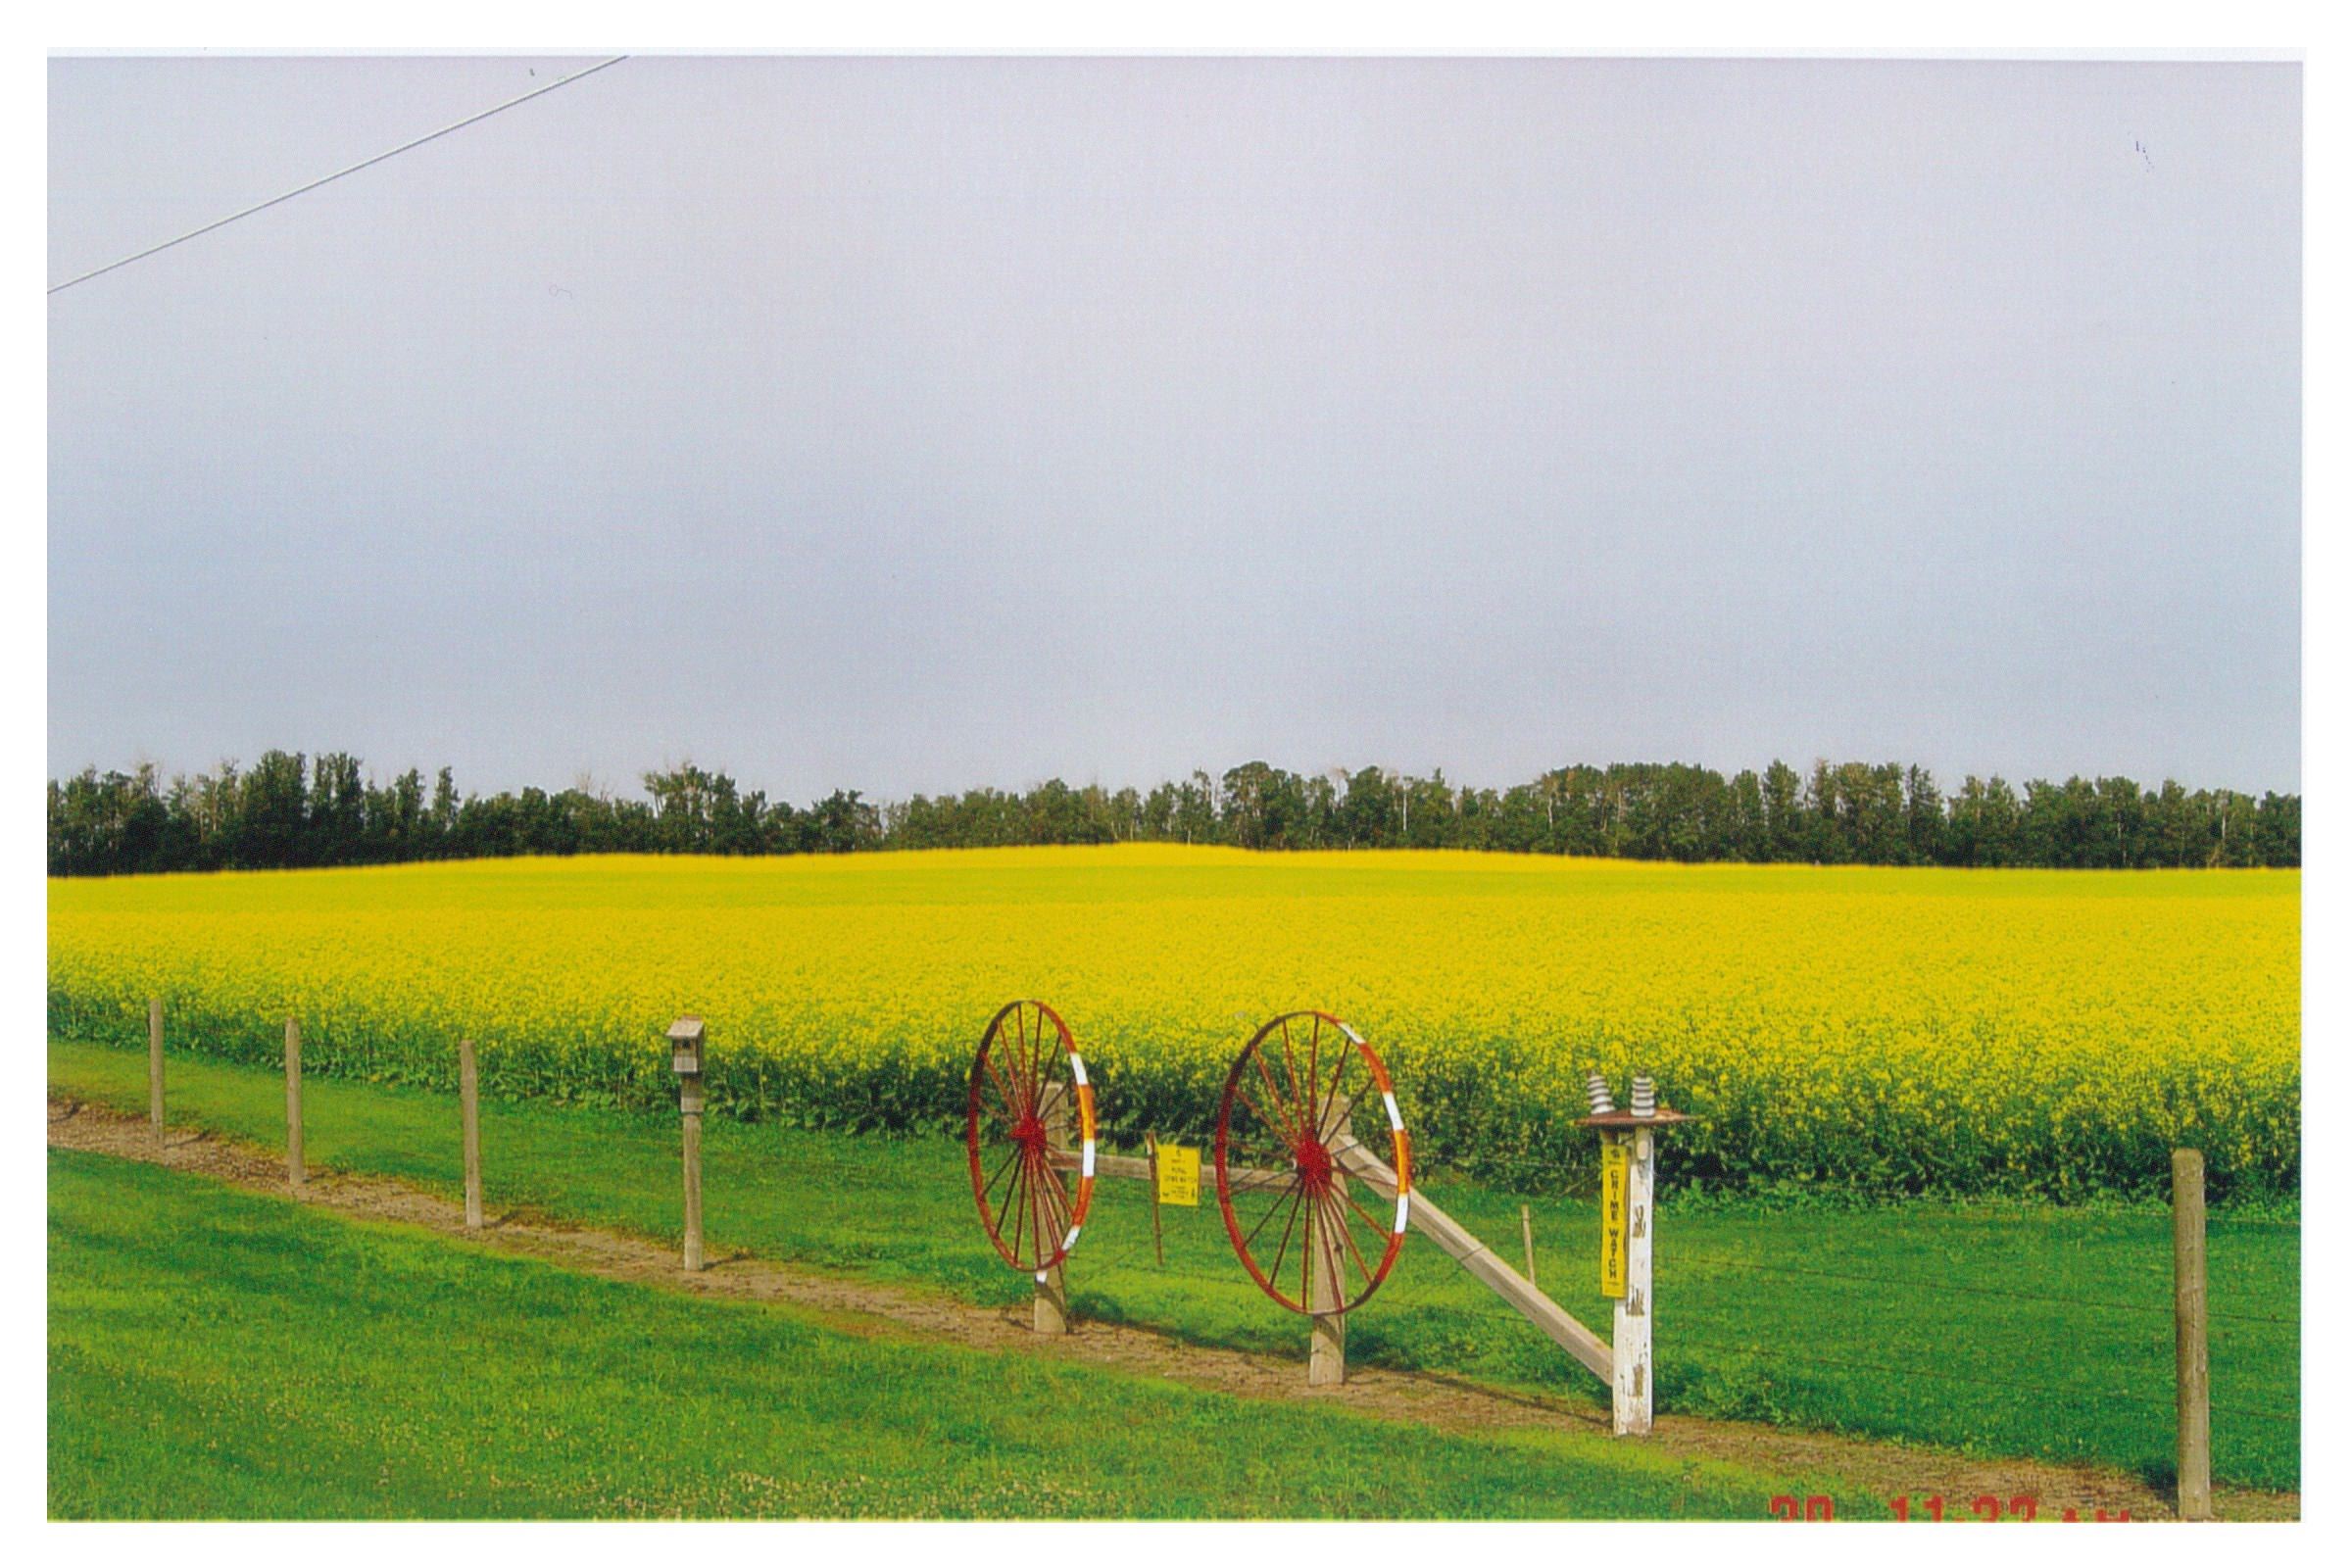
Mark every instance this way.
x=328 y=179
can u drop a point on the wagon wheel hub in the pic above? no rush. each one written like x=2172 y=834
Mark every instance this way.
x=1314 y=1164
x=1030 y=1133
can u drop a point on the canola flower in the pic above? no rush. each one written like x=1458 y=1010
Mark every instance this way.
x=1870 y=1029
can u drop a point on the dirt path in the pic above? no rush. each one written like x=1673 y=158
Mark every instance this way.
x=865 y=1307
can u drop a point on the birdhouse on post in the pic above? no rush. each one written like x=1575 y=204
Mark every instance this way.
x=686 y=1046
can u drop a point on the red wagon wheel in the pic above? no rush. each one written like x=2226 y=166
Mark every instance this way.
x=1305 y=1088
x=1028 y=1088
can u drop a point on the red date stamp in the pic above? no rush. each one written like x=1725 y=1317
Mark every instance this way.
x=1987 y=1507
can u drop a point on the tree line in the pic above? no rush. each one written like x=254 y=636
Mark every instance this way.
x=287 y=811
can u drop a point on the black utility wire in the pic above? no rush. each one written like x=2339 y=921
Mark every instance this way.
x=328 y=179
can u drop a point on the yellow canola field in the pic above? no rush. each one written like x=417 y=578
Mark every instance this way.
x=1887 y=1030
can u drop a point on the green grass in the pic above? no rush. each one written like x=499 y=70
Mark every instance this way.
x=2001 y=1329
x=216 y=1354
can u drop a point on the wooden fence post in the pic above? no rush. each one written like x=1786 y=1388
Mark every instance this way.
x=155 y=1066
x=1049 y=1303
x=1631 y=1403
x=296 y=1174
x=2190 y=1372
x=469 y=1113
x=690 y=1112
x=1327 y=1327
x=1527 y=1235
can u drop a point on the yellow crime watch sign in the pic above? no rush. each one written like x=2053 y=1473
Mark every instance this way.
x=1179 y=1174
x=1612 y=1218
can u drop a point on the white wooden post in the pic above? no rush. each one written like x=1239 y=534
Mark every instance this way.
x=1630 y=1405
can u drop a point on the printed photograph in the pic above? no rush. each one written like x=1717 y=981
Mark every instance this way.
x=1174 y=787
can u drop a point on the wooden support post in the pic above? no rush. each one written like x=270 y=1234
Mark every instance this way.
x=1049 y=1303
x=296 y=1174
x=690 y=1113
x=1050 y=1307
x=1327 y=1328
x=1527 y=1235
x=2190 y=1372
x=1590 y=1350
x=155 y=1066
x=470 y=1114
x=1629 y=1380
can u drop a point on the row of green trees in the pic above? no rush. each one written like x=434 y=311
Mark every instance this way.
x=286 y=811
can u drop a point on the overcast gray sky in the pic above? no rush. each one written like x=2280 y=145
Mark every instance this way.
x=919 y=424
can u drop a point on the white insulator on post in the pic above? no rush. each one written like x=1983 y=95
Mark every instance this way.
x=1596 y=1090
x=1645 y=1096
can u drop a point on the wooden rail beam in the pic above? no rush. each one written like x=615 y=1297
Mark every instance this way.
x=1590 y=1350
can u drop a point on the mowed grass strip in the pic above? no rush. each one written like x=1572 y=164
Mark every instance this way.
x=216 y=1354
x=1998 y=1329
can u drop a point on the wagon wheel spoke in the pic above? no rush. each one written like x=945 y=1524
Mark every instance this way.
x=1029 y=1066
x=1314 y=1049
x=1004 y=1166
x=1331 y=1099
x=1010 y=1113
x=1297 y=1105
x=1042 y=1237
x=1274 y=1270
x=1291 y=1125
x=1371 y=1224
x=1057 y=1202
x=1297 y=1191
x=1308 y=1244
x=1347 y=1233
x=1019 y=1204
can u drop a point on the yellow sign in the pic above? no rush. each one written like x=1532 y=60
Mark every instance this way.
x=1612 y=1218
x=1180 y=1175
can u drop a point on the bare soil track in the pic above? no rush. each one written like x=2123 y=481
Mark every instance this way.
x=861 y=1306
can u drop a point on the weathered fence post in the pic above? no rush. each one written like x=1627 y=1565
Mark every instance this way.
x=1049 y=1301
x=686 y=1061
x=155 y=1066
x=1629 y=1181
x=296 y=1174
x=1526 y=1236
x=2191 y=1373
x=1631 y=1405
x=470 y=1114
x=1327 y=1328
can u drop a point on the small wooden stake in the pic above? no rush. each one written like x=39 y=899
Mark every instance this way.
x=1630 y=1405
x=296 y=1174
x=154 y=1065
x=1151 y=1161
x=469 y=1113
x=2191 y=1370
x=1527 y=1234
x=689 y=1110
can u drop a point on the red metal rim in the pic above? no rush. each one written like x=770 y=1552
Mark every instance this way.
x=1304 y=1087
x=1028 y=1081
